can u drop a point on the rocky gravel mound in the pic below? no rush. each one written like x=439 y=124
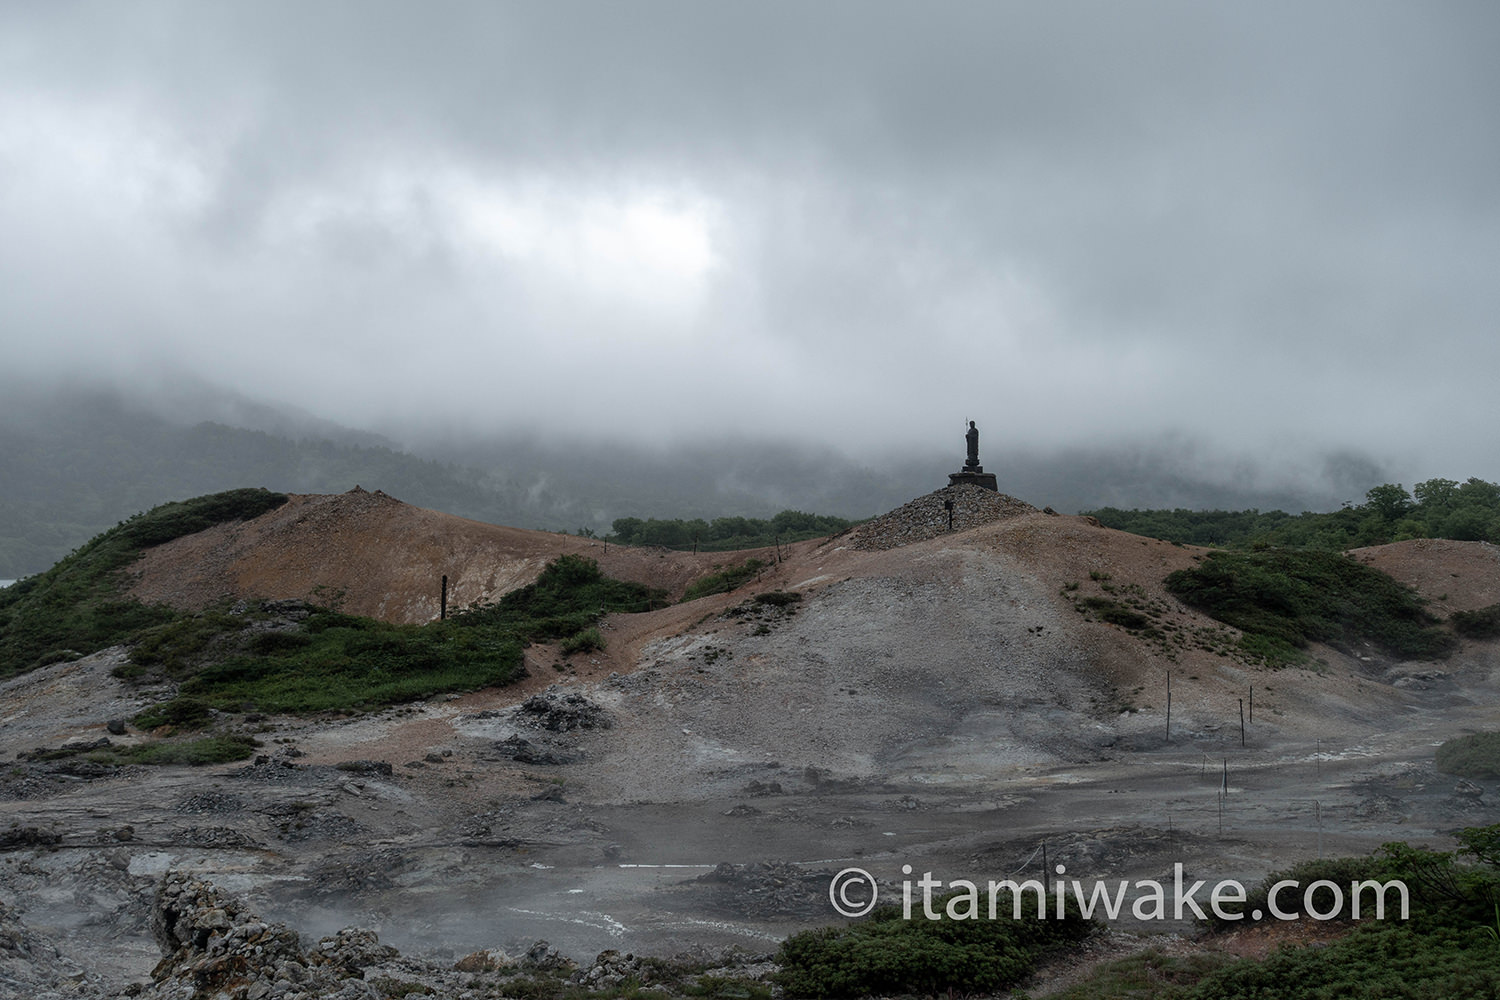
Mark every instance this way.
x=927 y=517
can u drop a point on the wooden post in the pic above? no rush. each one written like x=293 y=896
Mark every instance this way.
x=1242 y=723
x=443 y=601
x=1169 y=706
x=1252 y=702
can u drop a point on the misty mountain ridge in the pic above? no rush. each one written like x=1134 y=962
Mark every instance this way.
x=77 y=458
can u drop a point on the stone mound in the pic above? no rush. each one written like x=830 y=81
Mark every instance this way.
x=926 y=517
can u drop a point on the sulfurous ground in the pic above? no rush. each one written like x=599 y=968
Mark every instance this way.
x=935 y=699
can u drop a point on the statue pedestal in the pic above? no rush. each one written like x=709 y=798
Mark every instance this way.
x=974 y=478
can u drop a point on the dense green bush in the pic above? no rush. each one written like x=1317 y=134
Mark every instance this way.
x=1483 y=623
x=1282 y=599
x=884 y=954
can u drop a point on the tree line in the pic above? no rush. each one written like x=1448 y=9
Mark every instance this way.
x=725 y=533
x=1437 y=508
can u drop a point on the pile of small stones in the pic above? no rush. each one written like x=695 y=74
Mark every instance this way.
x=926 y=517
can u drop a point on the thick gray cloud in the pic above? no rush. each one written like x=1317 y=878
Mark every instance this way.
x=1267 y=229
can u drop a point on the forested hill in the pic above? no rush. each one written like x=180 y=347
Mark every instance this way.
x=1437 y=508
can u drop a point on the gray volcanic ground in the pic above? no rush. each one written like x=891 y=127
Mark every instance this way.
x=937 y=702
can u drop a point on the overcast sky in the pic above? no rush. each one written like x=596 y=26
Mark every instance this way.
x=1270 y=229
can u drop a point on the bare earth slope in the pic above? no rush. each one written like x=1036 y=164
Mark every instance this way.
x=376 y=556
x=935 y=699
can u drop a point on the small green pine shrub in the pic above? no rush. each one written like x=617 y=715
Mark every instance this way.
x=885 y=955
x=585 y=641
x=1483 y=623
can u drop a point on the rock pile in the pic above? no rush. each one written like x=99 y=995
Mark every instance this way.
x=926 y=517
x=561 y=711
x=215 y=947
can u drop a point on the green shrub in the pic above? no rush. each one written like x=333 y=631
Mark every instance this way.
x=210 y=750
x=1282 y=599
x=585 y=641
x=885 y=955
x=1483 y=623
x=184 y=713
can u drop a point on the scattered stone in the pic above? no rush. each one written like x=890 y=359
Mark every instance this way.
x=552 y=793
x=116 y=727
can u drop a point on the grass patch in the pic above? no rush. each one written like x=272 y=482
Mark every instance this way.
x=1282 y=599
x=209 y=750
x=1473 y=756
x=78 y=607
x=725 y=580
x=330 y=661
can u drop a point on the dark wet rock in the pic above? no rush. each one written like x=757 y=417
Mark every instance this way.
x=523 y=751
x=116 y=727
x=381 y=767
x=19 y=837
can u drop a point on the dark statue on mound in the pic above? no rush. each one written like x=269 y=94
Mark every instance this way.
x=973 y=473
